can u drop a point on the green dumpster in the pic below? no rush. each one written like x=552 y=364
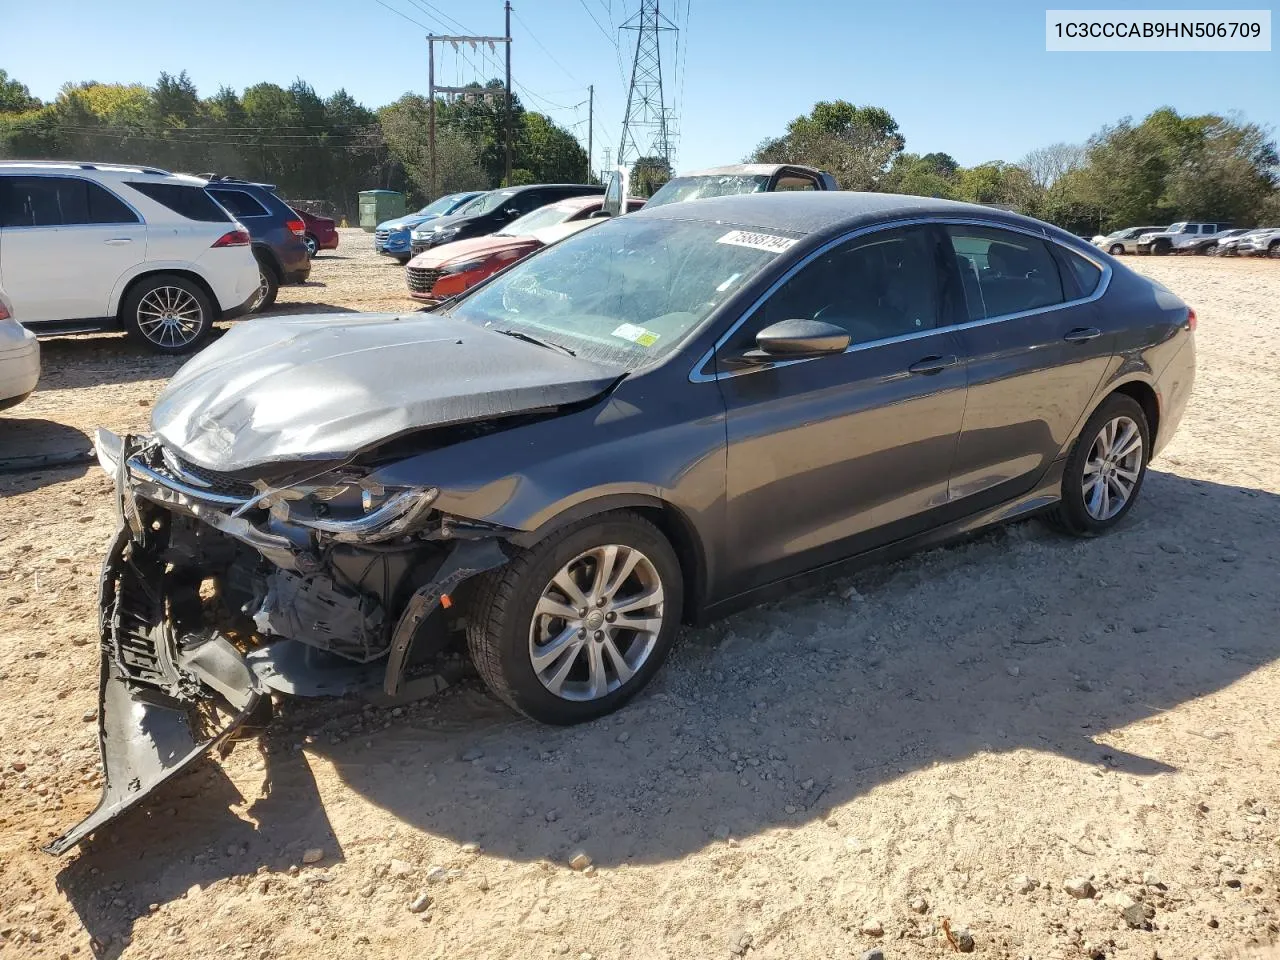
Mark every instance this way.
x=379 y=205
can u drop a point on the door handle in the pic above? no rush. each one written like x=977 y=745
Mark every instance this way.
x=931 y=365
x=118 y=240
x=1082 y=334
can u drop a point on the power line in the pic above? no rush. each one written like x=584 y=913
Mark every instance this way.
x=439 y=15
x=602 y=30
x=416 y=23
x=534 y=38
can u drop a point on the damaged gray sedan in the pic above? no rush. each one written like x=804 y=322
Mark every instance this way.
x=660 y=420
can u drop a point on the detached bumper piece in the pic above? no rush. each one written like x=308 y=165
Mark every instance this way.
x=149 y=729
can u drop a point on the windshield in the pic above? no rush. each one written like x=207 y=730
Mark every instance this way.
x=626 y=292
x=547 y=216
x=696 y=188
x=486 y=202
x=440 y=206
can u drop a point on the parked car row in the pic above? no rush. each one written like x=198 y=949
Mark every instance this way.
x=1211 y=238
x=451 y=252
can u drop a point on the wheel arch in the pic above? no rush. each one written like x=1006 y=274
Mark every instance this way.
x=191 y=275
x=266 y=256
x=1136 y=387
x=672 y=522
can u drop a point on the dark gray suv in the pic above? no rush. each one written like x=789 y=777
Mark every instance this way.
x=279 y=234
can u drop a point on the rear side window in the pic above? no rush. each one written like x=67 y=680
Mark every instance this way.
x=58 y=202
x=1087 y=274
x=1004 y=272
x=240 y=203
x=187 y=201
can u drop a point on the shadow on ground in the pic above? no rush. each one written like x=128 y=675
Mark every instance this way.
x=1019 y=639
x=36 y=452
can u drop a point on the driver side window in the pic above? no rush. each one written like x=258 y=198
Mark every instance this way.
x=881 y=285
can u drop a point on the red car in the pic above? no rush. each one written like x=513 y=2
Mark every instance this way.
x=322 y=232
x=447 y=270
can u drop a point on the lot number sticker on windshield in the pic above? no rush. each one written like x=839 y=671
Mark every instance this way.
x=757 y=241
x=635 y=334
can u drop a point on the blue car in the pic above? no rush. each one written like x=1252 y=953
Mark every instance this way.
x=392 y=236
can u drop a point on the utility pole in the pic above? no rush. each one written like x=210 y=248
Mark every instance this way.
x=431 y=111
x=509 y=117
x=591 y=107
x=432 y=89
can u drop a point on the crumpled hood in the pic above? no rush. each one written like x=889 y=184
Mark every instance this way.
x=471 y=249
x=326 y=387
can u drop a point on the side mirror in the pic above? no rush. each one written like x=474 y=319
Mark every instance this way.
x=798 y=340
x=599 y=214
x=511 y=212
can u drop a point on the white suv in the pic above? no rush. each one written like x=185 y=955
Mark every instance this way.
x=90 y=246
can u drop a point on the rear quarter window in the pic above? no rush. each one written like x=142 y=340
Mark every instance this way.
x=241 y=203
x=1087 y=274
x=183 y=199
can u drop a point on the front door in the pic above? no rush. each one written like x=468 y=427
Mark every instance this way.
x=835 y=455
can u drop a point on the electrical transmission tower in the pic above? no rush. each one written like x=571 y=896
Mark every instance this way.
x=645 y=129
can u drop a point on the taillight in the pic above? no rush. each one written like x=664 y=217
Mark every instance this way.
x=297 y=226
x=233 y=238
x=1191 y=320
x=4 y=314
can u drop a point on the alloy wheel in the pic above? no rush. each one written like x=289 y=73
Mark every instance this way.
x=1112 y=469
x=596 y=623
x=260 y=295
x=312 y=249
x=170 y=317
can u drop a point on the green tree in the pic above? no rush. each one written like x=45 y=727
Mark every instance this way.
x=15 y=97
x=647 y=175
x=855 y=144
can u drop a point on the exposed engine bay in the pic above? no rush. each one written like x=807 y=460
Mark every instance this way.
x=218 y=592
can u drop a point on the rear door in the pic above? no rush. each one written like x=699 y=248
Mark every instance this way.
x=835 y=455
x=1037 y=350
x=56 y=227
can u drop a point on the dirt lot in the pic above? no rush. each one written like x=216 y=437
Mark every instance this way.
x=960 y=740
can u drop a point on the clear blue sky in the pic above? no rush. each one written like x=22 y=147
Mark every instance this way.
x=969 y=77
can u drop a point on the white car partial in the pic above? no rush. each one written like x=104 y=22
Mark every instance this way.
x=151 y=252
x=19 y=358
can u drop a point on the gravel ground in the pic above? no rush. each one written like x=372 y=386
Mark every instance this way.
x=1048 y=748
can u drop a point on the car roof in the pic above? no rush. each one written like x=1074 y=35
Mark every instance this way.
x=112 y=171
x=579 y=203
x=822 y=212
x=747 y=170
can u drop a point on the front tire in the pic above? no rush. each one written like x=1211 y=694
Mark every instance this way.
x=1273 y=251
x=1104 y=473
x=1116 y=249
x=1161 y=247
x=168 y=314
x=577 y=625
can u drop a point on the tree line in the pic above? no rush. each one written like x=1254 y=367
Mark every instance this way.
x=312 y=148
x=1165 y=167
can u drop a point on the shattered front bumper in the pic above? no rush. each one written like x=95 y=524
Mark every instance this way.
x=183 y=666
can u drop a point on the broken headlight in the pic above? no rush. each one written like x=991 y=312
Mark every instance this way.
x=355 y=510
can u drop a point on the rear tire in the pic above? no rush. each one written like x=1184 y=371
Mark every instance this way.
x=1082 y=511
x=545 y=665
x=268 y=287
x=313 y=246
x=167 y=313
